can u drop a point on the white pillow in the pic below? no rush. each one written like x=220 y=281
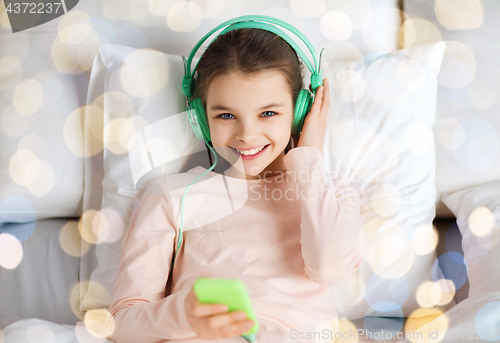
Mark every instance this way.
x=144 y=104
x=129 y=90
x=467 y=128
x=379 y=137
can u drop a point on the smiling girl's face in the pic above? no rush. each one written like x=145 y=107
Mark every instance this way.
x=251 y=111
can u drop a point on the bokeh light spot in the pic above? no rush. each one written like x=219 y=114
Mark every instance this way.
x=419 y=31
x=481 y=221
x=336 y=25
x=73 y=132
x=459 y=15
x=94 y=127
x=24 y=167
x=86 y=227
x=43 y=179
x=28 y=97
x=117 y=134
x=184 y=16
x=62 y=59
x=344 y=333
x=391 y=256
x=424 y=239
x=71 y=241
x=423 y=294
x=442 y=291
x=11 y=251
x=95 y=322
x=144 y=73
x=435 y=322
x=109 y=225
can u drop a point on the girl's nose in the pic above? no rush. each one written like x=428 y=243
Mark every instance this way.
x=247 y=132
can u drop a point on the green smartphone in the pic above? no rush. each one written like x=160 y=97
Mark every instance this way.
x=231 y=292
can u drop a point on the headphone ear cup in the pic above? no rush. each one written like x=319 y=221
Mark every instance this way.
x=302 y=107
x=202 y=118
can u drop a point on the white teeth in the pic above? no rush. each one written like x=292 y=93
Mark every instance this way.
x=250 y=152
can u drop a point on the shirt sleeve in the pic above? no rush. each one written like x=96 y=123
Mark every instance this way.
x=139 y=310
x=331 y=218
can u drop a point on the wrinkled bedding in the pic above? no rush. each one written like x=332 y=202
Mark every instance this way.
x=474 y=319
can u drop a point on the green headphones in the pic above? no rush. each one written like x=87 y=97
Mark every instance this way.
x=196 y=112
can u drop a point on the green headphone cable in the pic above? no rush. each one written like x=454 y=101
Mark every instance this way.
x=179 y=241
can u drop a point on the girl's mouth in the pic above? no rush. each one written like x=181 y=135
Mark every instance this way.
x=250 y=157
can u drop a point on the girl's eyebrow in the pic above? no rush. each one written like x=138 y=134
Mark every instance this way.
x=224 y=108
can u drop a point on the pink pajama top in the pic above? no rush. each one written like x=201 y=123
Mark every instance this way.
x=288 y=237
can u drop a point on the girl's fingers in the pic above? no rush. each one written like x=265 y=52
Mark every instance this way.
x=317 y=100
x=326 y=97
x=225 y=319
x=204 y=310
x=237 y=328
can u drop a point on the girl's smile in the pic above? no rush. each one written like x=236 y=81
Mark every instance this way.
x=248 y=154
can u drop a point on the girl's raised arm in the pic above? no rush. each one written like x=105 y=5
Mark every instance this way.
x=331 y=218
x=140 y=310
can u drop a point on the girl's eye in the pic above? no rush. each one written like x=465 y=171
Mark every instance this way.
x=273 y=113
x=223 y=114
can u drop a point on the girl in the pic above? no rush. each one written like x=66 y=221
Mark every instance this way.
x=293 y=238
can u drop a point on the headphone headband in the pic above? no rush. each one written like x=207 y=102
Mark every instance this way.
x=256 y=21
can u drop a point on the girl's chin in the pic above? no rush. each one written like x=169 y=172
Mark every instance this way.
x=250 y=170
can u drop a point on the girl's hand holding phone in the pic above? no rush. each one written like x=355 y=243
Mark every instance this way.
x=213 y=321
x=313 y=131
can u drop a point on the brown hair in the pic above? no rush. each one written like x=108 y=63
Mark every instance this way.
x=248 y=51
